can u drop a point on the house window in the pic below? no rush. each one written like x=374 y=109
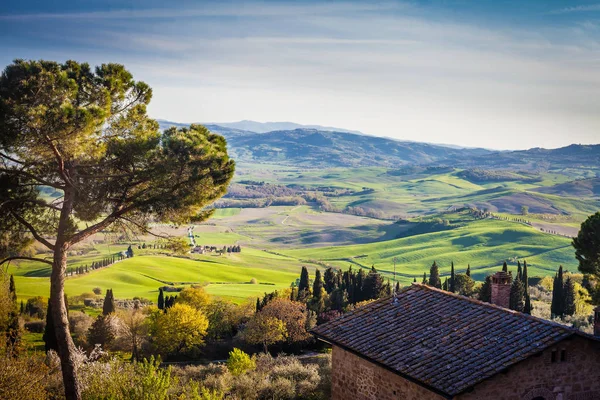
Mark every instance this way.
x=553 y=356
x=563 y=355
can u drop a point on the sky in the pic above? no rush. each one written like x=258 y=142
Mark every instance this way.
x=501 y=74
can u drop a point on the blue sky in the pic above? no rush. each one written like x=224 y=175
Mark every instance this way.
x=496 y=74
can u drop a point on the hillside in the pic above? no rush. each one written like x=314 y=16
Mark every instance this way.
x=305 y=146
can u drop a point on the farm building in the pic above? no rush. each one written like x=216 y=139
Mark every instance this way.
x=425 y=343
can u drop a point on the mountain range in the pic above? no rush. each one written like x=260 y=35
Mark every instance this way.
x=316 y=146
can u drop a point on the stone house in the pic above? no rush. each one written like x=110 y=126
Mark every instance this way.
x=425 y=343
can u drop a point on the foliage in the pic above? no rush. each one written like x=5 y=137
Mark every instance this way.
x=517 y=296
x=434 y=276
x=86 y=134
x=103 y=331
x=239 y=362
x=179 y=330
x=586 y=245
x=133 y=328
x=293 y=314
x=265 y=330
x=569 y=297
x=109 y=303
x=194 y=296
x=464 y=285
x=22 y=378
x=485 y=291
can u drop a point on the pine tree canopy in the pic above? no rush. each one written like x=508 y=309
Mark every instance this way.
x=586 y=245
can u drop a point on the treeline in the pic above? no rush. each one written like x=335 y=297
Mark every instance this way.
x=105 y=262
x=491 y=175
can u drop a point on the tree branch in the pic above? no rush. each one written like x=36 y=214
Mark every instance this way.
x=144 y=229
x=9 y=259
x=35 y=234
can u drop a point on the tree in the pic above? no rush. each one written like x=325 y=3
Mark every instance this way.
x=329 y=280
x=527 y=309
x=517 y=296
x=586 y=245
x=317 y=285
x=524 y=210
x=464 y=285
x=86 y=134
x=569 y=297
x=451 y=283
x=239 y=362
x=129 y=252
x=109 y=303
x=468 y=273
x=525 y=277
x=304 y=281
x=133 y=328
x=504 y=267
x=49 y=336
x=265 y=330
x=181 y=329
x=161 y=299
x=293 y=314
x=485 y=291
x=373 y=286
x=434 y=276
x=103 y=331
x=557 y=307
x=424 y=277
x=194 y=296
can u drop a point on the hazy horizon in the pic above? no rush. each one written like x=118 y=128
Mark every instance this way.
x=514 y=75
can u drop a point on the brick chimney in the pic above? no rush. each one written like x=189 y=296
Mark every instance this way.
x=597 y=321
x=501 y=282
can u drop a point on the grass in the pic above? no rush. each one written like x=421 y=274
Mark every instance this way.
x=277 y=241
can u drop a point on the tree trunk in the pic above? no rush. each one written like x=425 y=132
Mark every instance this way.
x=66 y=347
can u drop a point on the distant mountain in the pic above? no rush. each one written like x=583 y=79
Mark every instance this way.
x=263 y=127
x=580 y=188
x=331 y=148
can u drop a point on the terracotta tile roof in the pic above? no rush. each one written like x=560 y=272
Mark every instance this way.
x=443 y=341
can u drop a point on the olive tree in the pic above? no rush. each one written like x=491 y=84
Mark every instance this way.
x=84 y=134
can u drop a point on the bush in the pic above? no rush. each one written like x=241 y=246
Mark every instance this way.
x=35 y=326
x=22 y=378
x=253 y=281
x=97 y=291
x=239 y=362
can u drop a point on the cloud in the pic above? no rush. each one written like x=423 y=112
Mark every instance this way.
x=577 y=9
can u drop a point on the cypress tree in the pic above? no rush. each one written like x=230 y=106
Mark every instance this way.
x=415 y=279
x=22 y=310
x=424 y=277
x=257 y=304
x=468 y=273
x=557 y=306
x=329 y=280
x=109 y=303
x=373 y=286
x=569 y=297
x=452 y=284
x=525 y=276
x=161 y=299
x=517 y=296
x=49 y=337
x=304 y=281
x=445 y=284
x=519 y=273
x=398 y=286
x=434 y=276
x=485 y=292
x=505 y=267
x=13 y=291
x=317 y=285
x=359 y=283
x=527 y=309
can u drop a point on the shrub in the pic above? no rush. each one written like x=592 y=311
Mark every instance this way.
x=35 y=326
x=253 y=281
x=97 y=291
x=239 y=362
x=22 y=378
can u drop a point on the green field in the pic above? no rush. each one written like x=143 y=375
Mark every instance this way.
x=277 y=240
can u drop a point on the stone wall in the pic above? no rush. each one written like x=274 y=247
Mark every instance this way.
x=574 y=375
x=577 y=377
x=354 y=378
